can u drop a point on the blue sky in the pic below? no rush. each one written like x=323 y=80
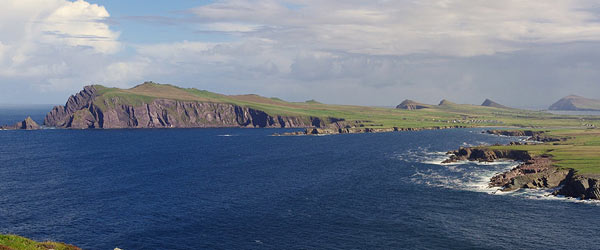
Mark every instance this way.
x=143 y=22
x=345 y=52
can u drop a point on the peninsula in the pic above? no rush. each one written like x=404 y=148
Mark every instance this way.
x=153 y=105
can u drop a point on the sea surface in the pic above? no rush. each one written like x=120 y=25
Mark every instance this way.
x=246 y=189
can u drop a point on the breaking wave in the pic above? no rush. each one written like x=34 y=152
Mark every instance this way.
x=470 y=176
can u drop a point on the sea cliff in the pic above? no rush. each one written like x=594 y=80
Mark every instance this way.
x=84 y=110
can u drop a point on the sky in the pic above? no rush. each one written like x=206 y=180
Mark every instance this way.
x=377 y=52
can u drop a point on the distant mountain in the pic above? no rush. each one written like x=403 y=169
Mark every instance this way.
x=576 y=103
x=411 y=105
x=445 y=102
x=490 y=103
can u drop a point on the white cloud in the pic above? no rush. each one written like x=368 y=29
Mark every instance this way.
x=54 y=45
x=80 y=24
x=329 y=50
x=443 y=27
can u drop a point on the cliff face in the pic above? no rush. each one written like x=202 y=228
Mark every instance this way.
x=62 y=116
x=82 y=112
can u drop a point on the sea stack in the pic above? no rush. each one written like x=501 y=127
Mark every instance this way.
x=27 y=124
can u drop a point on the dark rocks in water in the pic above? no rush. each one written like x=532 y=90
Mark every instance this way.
x=576 y=103
x=490 y=103
x=27 y=124
x=535 y=173
x=411 y=105
x=539 y=136
x=483 y=154
x=514 y=132
x=584 y=187
x=359 y=129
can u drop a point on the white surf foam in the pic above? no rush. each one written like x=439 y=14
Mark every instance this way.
x=475 y=176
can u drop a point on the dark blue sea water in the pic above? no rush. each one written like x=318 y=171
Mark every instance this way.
x=245 y=189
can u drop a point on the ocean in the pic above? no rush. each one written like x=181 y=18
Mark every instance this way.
x=246 y=189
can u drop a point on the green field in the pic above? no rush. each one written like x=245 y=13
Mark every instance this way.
x=20 y=243
x=581 y=151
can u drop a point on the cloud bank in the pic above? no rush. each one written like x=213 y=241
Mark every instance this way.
x=328 y=50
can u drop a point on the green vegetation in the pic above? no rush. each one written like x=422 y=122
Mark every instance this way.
x=20 y=243
x=574 y=102
x=580 y=151
x=449 y=114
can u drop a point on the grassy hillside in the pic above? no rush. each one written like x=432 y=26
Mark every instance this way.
x=20 y=243
x=581 y=151
x=574 y=102
x=376 y=117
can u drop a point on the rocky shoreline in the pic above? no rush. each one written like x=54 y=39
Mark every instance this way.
x=336 y=129
x=534 y=172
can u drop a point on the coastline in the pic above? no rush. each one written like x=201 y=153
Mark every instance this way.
x=534 y=171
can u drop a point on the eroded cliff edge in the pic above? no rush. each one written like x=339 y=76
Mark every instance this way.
x=85 y=110
x=535 y=171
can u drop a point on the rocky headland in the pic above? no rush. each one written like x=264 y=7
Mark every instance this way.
x=85 y=110
x=27 y=124
x=535 y=171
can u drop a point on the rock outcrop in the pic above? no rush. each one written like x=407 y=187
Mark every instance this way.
x=534 y=171
x=411 y=105
x=538 y=135
x=83 y=111
x=27 y=124
x=354 y=130
x=484 y=154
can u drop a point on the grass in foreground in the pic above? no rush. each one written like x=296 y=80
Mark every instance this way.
x=20 y=243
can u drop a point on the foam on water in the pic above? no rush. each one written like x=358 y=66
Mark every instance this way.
x=472 y=176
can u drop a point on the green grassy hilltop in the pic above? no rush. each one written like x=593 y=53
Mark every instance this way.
x=376 y=117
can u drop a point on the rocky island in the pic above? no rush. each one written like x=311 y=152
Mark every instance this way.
x=27 y=124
